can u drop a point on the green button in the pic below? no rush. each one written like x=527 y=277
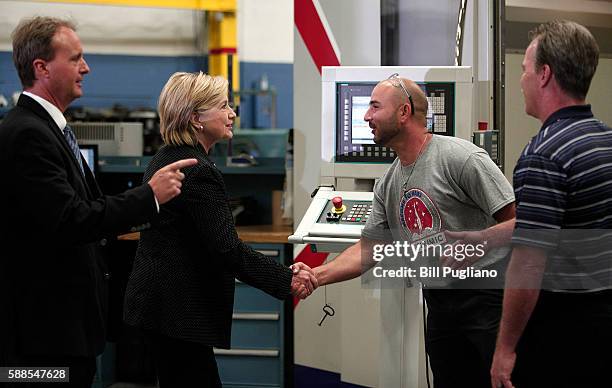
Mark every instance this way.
x=358 y=219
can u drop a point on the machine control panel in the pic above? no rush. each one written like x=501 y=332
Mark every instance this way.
x=334 y=220
x=347 y=212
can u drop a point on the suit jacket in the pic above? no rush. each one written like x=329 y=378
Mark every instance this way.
x=182 y=282
x=53 y=227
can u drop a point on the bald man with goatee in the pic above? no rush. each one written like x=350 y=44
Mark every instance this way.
x=435 y=183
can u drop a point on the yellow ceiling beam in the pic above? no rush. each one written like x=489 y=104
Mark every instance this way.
x=206 y=5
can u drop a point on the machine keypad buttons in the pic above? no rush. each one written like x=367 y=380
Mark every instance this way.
x=349 y=212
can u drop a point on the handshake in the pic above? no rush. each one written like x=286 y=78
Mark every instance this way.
x=304 y=282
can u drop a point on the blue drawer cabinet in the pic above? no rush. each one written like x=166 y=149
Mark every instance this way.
x=260 y=333
x=261 y=353
x=251 y=300
x=242 y=370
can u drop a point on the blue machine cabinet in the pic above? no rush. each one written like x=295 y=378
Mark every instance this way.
x=261 y=353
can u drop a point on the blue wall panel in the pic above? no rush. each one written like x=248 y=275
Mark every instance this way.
x=253 y=109
x=133 y=81
x=130 y=80
x=136 y=81
x=9 y=81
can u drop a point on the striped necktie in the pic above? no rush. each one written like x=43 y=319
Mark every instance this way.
x=72 y=143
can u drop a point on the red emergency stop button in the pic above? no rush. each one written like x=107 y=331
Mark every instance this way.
x=337 y=201
x=339 y=208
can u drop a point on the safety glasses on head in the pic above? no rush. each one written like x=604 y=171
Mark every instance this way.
x=396 y=81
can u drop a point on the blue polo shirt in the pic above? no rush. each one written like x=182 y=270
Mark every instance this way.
x=563 y=190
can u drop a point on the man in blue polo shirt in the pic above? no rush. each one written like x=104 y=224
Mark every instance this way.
x=556 y=328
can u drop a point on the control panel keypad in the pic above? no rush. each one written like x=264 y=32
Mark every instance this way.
x=358 y=213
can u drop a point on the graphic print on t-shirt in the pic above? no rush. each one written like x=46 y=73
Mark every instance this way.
x=420 y=218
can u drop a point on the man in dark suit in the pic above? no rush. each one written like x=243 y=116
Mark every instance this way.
x=54 y=220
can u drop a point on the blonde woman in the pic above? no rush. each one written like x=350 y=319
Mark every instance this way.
x=181 y=290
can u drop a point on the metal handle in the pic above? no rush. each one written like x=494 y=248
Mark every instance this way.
x=246 y=352
x=257 y=316
x=268 y=252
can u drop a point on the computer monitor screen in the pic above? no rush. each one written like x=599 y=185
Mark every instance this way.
x=90 y=153
x=354 y=138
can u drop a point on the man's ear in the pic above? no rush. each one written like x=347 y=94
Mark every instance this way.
x=40 y=68
x=545 y=75
x=404 y=111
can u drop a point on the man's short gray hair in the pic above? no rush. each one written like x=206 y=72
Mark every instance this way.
x=571 y=52
x=32 y=39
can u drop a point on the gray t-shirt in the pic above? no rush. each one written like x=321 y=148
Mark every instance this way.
x=454 y=186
